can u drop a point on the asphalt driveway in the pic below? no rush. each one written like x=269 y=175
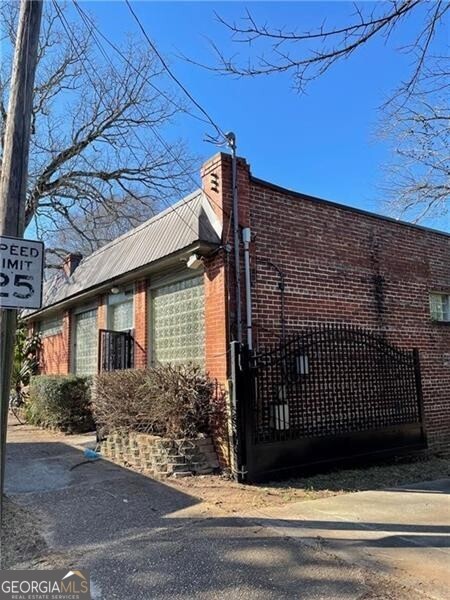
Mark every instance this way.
x=142 y=539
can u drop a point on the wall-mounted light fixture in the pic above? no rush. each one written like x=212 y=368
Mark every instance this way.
x=115 y=290
x=302 y=364
x=279 y=410
x=194 y=262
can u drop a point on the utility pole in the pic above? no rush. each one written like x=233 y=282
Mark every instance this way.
x=14 y=170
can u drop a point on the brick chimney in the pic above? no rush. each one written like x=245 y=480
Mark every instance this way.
x=216 y=176
x=71 y=262
x=216 y=183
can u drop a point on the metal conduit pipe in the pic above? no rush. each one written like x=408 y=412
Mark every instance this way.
x=237 y=261
x=246 y=238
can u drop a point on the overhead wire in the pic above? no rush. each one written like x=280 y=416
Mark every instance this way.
x=91 y=24
x=88 y=20
x=152 y=45
x=82 y=58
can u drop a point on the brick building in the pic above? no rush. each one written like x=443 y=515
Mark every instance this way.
x=171 y=282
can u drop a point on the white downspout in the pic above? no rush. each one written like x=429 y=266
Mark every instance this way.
x=246 y=238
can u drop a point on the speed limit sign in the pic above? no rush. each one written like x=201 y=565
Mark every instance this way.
x=21 y=270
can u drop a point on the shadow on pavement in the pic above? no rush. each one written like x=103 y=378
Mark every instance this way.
x=141 y=538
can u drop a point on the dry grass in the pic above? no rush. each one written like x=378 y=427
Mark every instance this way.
x=401 y=472
x=233 y=497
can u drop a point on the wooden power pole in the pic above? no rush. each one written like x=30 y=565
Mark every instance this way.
x=14 y=170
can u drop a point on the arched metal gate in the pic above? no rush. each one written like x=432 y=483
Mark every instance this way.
x=330 y=393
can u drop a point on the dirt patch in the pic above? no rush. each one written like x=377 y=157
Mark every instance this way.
x=20 y=542
x=389 y=474
x=381 y=587
x=232 y=497
x=22 y=545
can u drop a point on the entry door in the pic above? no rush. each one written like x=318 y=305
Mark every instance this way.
x=85 y=342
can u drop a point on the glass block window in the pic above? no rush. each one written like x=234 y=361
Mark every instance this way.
x=440 y=307
x=85 y=343
x=120 y=311
x=51 y=326
x=178 y=317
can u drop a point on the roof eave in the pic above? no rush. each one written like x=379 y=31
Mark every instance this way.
x=161 y=264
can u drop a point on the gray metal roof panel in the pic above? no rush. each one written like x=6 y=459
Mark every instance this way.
x=189 y=221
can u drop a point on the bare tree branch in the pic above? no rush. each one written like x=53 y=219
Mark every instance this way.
x=416 y=115
x=96 y=168
x=311 y=53
x=417 y=181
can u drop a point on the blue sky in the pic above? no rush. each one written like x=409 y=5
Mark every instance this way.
x=323 y=143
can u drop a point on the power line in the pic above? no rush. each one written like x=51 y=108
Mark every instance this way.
x=91 y=25
x=82 y=58
x=172 y=75
x=90 y=21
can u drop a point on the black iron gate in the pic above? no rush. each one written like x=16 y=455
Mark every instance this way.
x=330 y=393
x=115 y=350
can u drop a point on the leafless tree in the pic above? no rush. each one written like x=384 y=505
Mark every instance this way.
x=417 y=113
x=418 y=131
x=96 y=167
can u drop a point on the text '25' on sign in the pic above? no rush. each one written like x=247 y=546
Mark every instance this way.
x=21 y=270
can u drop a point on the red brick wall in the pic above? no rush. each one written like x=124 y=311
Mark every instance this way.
x=220 y=318
x=141 y=323
x=102 y=313
x=55 y=351
x=345 y=266
x=340 y=266
x=216 y=185
x=216 y=321
x=216 y=180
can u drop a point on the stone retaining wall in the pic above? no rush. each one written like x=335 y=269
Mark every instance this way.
x=161 y=457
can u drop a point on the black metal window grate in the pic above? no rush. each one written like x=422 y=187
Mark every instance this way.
x=116 y=350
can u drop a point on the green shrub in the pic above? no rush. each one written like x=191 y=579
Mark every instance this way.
x=61 y=402
x=26 y=362
x=175 y=401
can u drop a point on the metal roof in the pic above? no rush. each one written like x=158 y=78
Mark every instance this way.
x=190 y=221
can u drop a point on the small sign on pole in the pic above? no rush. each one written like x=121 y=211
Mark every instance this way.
x=21 y=272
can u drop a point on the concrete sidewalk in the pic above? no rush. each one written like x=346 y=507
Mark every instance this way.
x=141 y=539
x=403 y=533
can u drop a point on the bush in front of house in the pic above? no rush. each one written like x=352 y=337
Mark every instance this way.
x=25 y=364
x=60 y=402
x=174 y=401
